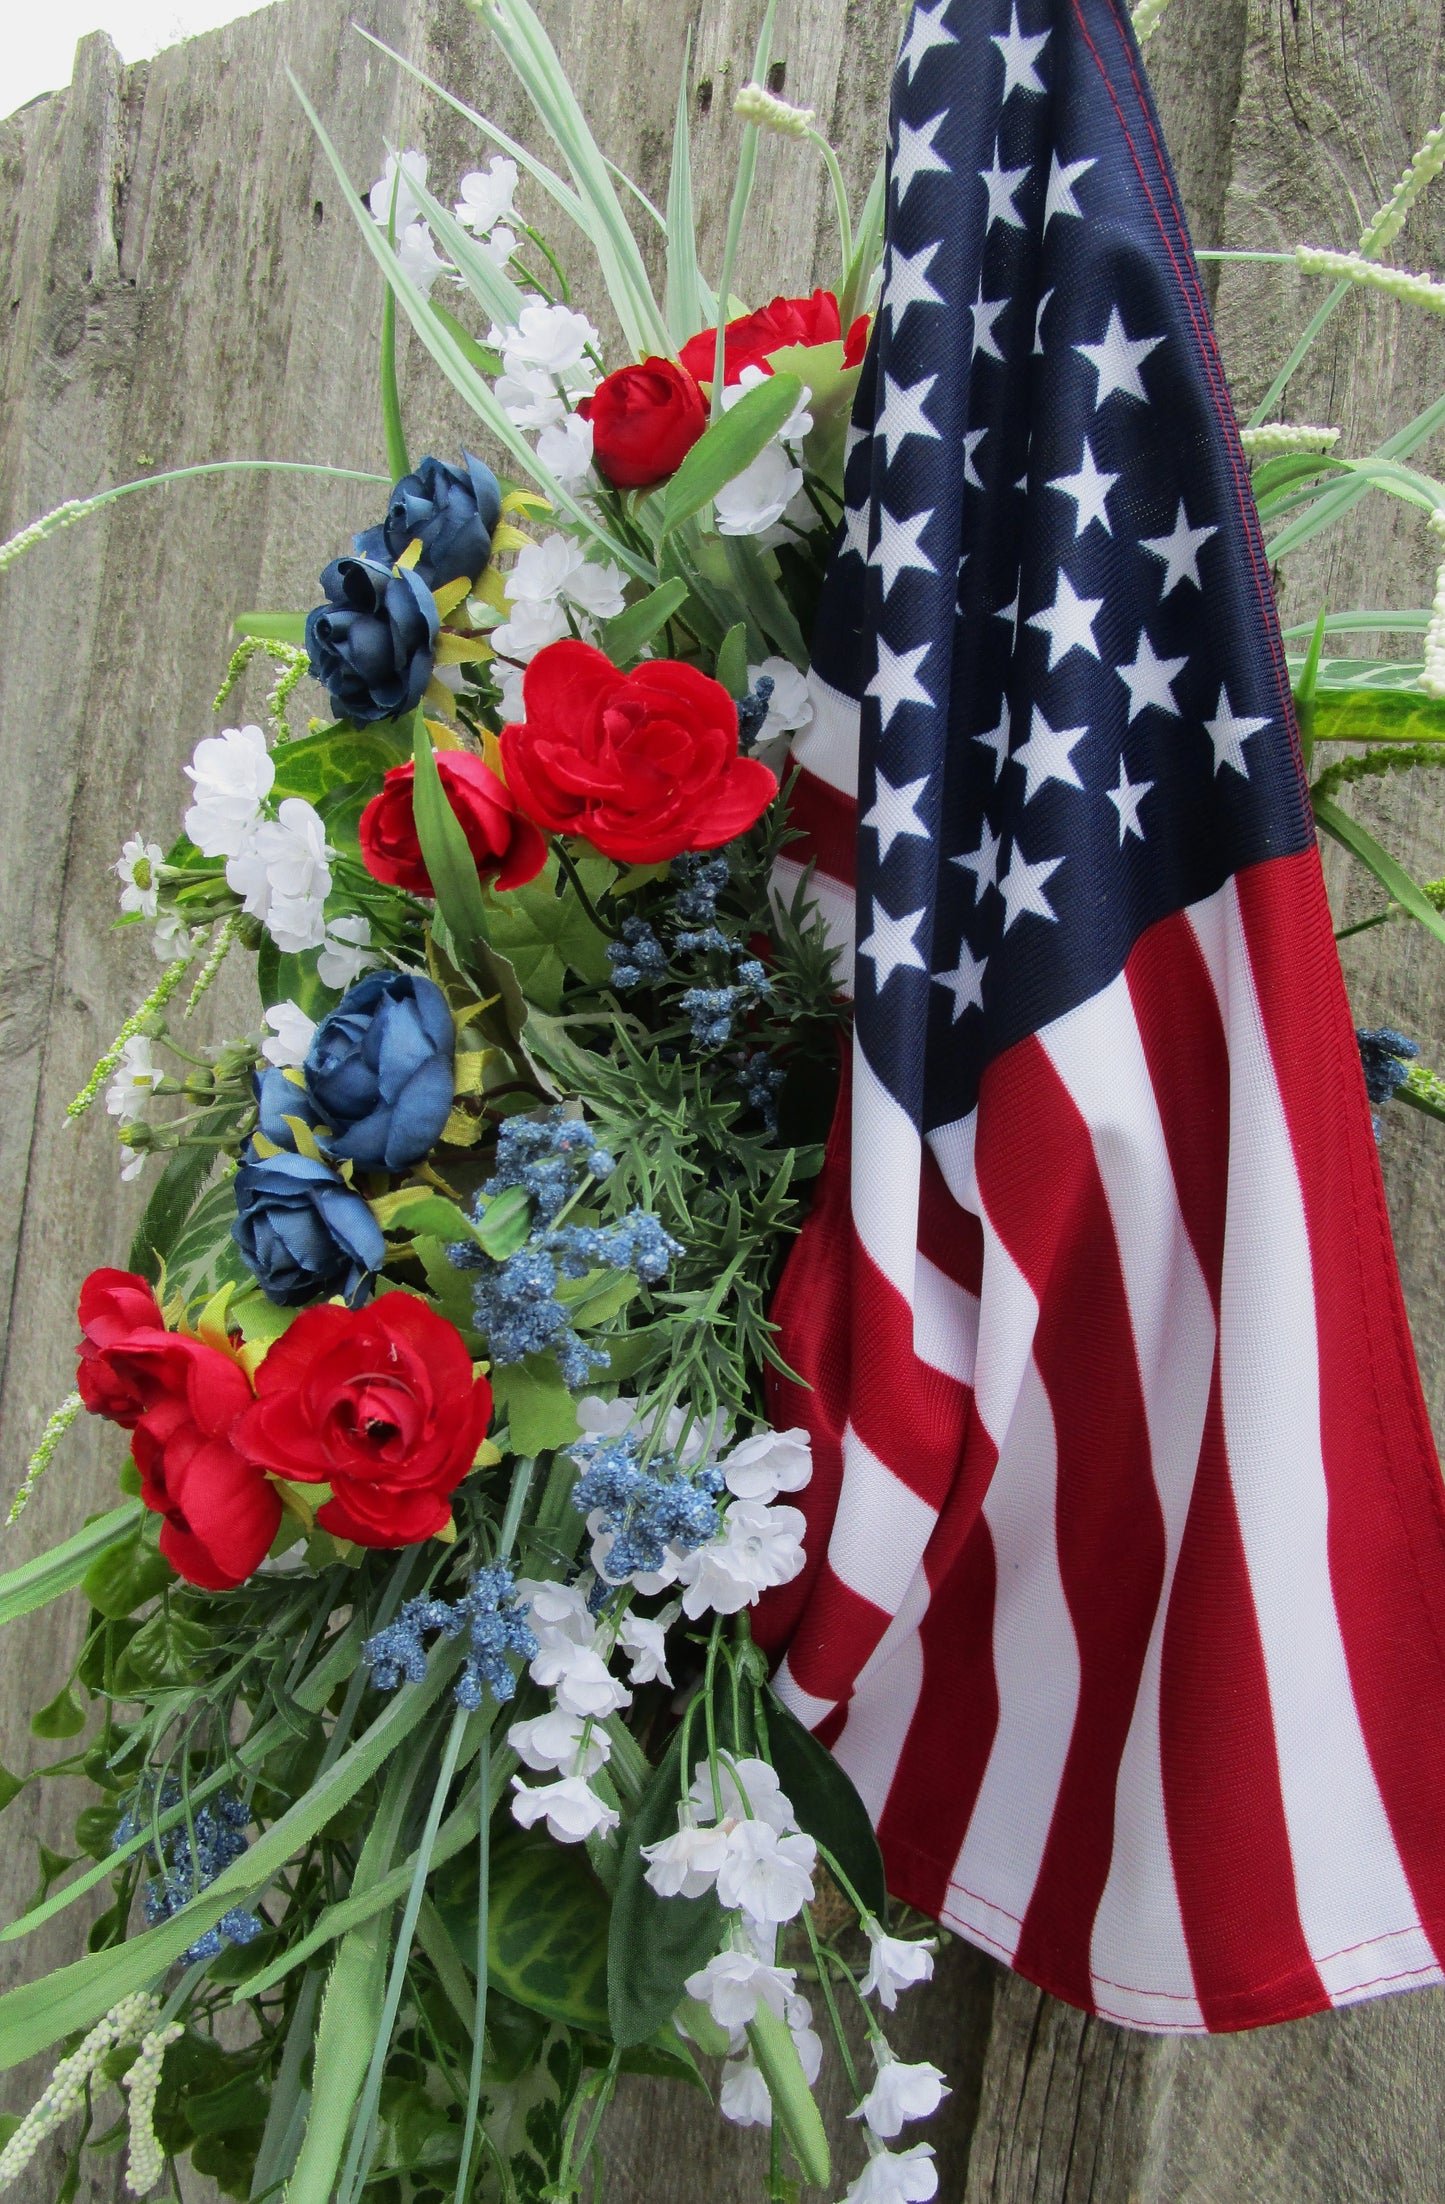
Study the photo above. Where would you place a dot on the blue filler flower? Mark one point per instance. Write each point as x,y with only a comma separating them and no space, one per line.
379,1070
753,712
454,511
220,1826
638,956
302,1233
699,881
549,1157
496,1628
646,1510
1385,1058
372,644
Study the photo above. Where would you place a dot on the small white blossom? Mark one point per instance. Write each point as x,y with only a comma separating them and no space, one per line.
733,1983
759,496
645,1643
768,1463
685,1865
419,257
232,773
790,707
893,1965
799,421
554,1740
896,2177
766,1800
528,395
499,246
806,2040
579,1676
486,195
543,570
173,938
556,1607
758,1547
510,701
135,868
348,951
291,1032
573,1810
565,448
283,877
132,1085
408,206
769,1877
530,629
552,338
902,2092
744,2097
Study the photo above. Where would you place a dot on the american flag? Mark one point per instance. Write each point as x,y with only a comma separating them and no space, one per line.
1125,1607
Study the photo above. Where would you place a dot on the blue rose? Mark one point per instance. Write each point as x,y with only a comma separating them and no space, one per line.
379,1070
302,1232
372,643
454,510
279,1095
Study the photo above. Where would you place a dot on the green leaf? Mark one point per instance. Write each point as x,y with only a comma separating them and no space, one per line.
1374,715
172,1199
62,1718
129,1574
273,627
833,387
752,571
776,2053
547,1922
449,1287
396,453
483,359
37,1582
167,1649
95,1829
206,1257
539,1411
688,304
656,1943
504,1224
10,1788
283,977
626,634
544,935
449,862
730,444
732,660
433,1215
826,1804
1392,876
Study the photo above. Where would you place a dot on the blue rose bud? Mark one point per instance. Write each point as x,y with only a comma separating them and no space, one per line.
454,510
372,643
379,1070
302,1232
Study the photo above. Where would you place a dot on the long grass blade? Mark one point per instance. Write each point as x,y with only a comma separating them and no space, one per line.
49,1575
1296,359
867,250
1391,875
683,303
737,211
479,2019
81,508
491,286
1342,494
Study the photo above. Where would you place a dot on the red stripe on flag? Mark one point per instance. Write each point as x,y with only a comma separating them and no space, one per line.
1040,1186
837,1632
1387,1507
912,1416
828,821
1228,1836
949,1236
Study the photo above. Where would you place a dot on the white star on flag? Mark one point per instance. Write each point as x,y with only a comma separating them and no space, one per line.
893,812
1059,199
896,682
971,440
855,531
982,862
1150,679
1116,360
1022,887
965,982
1068,622
1179,551
1229,734
916,156
997,738
1126,799
903,414
924,33
1019,55
1010,611
1089,488
897,550
985,312
1039,321
1001,184
908,283
1047,755
891,944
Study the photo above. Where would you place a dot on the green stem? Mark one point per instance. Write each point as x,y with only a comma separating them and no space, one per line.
1277,388
574,881
479,2024
840,196
396,454
835,2018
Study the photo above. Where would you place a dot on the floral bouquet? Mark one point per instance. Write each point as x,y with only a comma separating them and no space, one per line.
433,1745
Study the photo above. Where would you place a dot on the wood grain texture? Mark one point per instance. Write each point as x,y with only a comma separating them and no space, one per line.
179,281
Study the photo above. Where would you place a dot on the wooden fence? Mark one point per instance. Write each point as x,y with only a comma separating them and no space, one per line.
181,283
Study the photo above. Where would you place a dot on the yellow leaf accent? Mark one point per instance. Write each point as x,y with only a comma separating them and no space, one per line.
450,595
252,1354
526,501
437,692
302,1501
460,650
264,1147
442,738
211,1323
487,1454
447,1535
492,755
461,1130
304,1138
508,538
473,1010
638,876
492,589
410,555
390,1209
468,1068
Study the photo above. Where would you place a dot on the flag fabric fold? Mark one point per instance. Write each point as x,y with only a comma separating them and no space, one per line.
1125,1604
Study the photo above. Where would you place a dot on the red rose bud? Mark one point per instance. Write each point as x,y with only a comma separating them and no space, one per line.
381,1404
220,1512
644,764
750,341
645,421
855,344
114,1306
506,846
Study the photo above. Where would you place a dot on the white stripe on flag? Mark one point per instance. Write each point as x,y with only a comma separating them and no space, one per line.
884,1702
1351,1887
807,1706
887,1163
945,1322
828,746
880,1530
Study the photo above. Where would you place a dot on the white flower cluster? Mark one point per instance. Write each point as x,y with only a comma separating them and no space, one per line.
65,2090
391,197
1415,290
132,1085
570,1662
145,2160
768,498
1432,673
138,870
485,207
552,591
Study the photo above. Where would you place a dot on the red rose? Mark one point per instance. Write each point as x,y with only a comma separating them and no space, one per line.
855,344
381,1404
645,420
220,1512
506,846
749,341
644,764
114,1304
